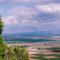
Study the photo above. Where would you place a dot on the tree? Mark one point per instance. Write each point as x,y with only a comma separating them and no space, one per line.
1,26
3,46
1,29
21,53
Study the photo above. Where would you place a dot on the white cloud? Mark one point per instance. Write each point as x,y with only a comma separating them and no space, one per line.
23,11
10,20
29,22
13,20
23,0
49,8
44,8
55,7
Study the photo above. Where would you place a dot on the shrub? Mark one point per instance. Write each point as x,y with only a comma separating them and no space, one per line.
21,53
10,55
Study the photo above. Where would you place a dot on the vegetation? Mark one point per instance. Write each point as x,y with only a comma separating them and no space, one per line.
54,49
41,57
11,53
21,53
1,26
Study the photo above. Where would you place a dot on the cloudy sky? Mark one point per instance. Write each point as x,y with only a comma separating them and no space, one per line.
31,16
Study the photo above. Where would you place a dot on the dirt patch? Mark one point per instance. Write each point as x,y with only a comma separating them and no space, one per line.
48,53
50,57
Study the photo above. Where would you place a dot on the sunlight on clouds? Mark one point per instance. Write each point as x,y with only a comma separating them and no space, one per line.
55,7
29,22
44,8
10,20
48,8
29,13
23,11
42,15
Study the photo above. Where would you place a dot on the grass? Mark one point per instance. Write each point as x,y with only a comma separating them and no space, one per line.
54,49
54,59
57,55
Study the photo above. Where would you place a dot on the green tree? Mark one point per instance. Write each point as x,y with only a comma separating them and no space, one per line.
1,30
21,53
1,26
3,46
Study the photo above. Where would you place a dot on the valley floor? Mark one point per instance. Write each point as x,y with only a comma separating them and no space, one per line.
39,51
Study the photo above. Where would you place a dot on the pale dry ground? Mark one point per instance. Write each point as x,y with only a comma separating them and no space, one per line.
37,44
45,53
50,57
38,48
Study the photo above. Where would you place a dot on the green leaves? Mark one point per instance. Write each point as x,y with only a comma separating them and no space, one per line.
10,55
14,53
21,53
1,26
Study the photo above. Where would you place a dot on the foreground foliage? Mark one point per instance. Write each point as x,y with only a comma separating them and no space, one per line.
10,53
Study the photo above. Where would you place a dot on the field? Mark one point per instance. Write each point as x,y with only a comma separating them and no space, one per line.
44,52
41,51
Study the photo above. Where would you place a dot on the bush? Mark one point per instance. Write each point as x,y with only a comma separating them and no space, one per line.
10,55
21,53
16,53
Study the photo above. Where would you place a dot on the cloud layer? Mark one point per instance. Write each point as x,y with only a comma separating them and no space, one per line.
31,15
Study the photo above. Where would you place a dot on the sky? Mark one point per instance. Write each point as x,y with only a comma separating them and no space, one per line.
30,16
